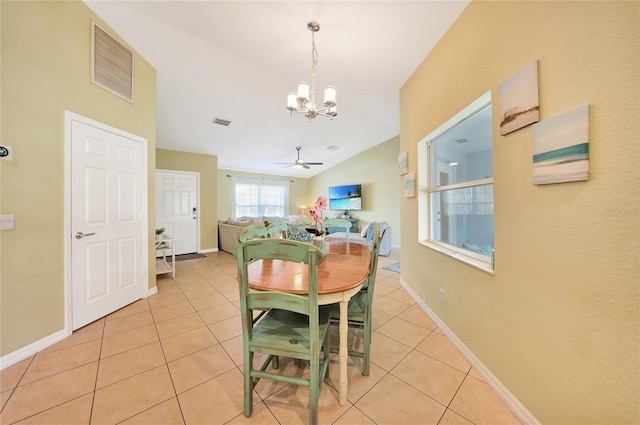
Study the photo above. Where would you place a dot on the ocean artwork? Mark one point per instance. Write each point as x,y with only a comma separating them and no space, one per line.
403,163
561,148
410,185
519,104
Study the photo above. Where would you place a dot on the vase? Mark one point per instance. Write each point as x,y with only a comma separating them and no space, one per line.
319,242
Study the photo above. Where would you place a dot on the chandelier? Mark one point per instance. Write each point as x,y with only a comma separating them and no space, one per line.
304,101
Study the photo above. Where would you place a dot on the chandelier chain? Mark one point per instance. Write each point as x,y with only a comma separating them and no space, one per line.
314,54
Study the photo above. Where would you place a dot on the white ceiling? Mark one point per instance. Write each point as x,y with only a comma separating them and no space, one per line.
237,60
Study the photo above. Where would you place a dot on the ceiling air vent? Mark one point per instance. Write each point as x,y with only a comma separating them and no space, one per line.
111,64
463,140
220,121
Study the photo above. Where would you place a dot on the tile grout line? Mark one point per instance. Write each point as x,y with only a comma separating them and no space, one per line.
13,390
95,383
164,356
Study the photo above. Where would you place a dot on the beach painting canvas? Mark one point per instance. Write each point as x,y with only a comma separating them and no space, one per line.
561,148
410,185
519,104
403,163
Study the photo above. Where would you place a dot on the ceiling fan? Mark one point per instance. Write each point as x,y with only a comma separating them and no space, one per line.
300,163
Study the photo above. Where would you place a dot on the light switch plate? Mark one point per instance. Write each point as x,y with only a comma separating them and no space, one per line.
6,222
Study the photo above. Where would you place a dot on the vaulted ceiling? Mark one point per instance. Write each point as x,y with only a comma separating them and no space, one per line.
237,60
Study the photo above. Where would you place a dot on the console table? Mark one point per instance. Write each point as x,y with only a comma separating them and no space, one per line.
354,226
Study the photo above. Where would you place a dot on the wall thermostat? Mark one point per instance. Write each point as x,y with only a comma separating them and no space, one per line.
5,152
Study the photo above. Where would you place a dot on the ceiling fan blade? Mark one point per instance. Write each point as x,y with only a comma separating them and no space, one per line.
299,162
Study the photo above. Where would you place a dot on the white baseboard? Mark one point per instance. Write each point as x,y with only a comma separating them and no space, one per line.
204,251
33,348
510,400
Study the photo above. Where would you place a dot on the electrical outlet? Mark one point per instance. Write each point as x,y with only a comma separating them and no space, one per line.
441,295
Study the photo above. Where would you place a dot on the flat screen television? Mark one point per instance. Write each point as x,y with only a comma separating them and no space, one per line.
345,198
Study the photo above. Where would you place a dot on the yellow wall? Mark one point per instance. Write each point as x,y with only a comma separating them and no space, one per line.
558,324
206,166
46,48
376,170
297,191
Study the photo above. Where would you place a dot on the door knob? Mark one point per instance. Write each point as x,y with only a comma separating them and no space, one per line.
81,235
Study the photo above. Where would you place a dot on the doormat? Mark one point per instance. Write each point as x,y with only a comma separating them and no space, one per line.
395,267
189,256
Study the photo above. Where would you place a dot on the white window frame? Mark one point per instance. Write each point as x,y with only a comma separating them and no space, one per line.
425,189
259,184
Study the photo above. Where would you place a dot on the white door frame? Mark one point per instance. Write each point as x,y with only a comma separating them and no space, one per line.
197,175
69,117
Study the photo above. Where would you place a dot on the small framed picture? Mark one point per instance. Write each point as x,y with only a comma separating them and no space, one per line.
519,104
410,185
561,148
403,163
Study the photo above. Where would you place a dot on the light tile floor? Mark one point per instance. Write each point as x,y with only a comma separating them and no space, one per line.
176,357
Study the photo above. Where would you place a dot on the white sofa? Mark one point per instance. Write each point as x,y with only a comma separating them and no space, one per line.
361,238
229,229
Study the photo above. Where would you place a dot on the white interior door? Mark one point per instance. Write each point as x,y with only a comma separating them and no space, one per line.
177,208
108,221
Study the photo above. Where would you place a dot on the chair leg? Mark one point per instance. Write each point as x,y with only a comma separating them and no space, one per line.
366,329
314,391
248,384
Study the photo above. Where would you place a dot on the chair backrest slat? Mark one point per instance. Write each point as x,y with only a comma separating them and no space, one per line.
373,267
279,249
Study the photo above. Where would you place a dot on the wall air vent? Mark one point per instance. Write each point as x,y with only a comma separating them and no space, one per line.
220,121
111,64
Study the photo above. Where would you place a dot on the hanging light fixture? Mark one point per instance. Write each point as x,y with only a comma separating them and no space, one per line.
304,100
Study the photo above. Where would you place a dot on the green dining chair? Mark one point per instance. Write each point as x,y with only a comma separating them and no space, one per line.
277,227
337,222
252,231
360,305
292,327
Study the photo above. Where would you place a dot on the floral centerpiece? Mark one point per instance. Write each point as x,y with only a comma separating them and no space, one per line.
316,213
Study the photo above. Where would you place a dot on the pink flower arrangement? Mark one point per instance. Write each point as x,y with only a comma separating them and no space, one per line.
316,211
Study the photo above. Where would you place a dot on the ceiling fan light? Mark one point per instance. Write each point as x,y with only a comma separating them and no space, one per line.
329,96
297,166
303,92
292,102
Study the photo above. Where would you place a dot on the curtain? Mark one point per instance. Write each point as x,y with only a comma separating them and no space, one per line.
255,196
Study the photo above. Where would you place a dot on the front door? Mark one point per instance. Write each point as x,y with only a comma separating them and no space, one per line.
108,219
177,208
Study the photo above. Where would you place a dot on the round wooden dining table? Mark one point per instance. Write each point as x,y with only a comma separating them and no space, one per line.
340,276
